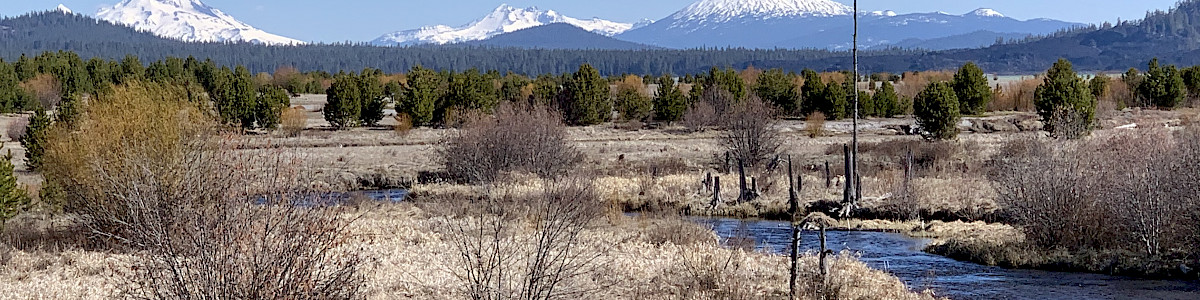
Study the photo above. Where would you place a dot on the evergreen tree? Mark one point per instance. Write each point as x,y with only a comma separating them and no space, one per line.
512,86
1065,102
471,90
237,101
670,104
728,80
25,68
833,103
971,87
344,102
546,89
12,96
813,94
587,97
35,137
1191,80
936,110
887,103
13,198
1162,86
1133,81
131,69
421,95
372,97
69,110
633,104
1099,86
269,106
776,87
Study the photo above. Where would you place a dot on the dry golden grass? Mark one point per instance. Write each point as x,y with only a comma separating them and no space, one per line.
292,121
413,261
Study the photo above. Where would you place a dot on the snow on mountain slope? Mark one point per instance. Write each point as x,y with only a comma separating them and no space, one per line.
187,20
63,9
503,19
986,12
727,10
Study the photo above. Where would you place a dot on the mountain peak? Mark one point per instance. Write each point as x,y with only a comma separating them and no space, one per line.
187,20
883,13
986,12
63,9
504,19
726,10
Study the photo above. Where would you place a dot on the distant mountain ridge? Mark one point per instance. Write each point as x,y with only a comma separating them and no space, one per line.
820,24
187,20
503,19
558,36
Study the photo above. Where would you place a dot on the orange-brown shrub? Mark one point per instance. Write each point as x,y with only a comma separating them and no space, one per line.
1015,96
814,124
45,88
911,83
292,121
403,124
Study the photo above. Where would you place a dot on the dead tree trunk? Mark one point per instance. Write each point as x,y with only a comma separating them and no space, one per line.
794,186
828,176
742,192
716,192
848,187
708,181
728,163
823,261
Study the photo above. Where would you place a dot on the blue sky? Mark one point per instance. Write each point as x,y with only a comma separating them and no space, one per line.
364,20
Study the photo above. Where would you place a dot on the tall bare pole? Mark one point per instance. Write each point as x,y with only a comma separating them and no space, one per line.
854,89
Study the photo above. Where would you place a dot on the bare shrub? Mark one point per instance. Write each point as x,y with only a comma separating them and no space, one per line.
516,139
750,133
149,175
699,117
16,129
814,124
292,121
518,246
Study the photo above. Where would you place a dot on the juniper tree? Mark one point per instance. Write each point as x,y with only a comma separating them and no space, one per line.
669,103
936,110
1065,102
587,97
971,87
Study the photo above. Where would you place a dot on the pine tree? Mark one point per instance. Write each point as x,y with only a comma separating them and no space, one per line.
936,110
373,98
1162,86
670,104
269,106
886,101
971,87
587,97
633,104
35,137
778,88
1065,102
812,94
833,102
421,95
13,198
344,102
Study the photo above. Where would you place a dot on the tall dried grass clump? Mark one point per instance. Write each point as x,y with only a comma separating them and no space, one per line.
149,174
1015,96
514,139
814,124
404,124
292,121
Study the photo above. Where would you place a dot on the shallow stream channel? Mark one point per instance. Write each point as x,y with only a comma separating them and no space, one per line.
901,256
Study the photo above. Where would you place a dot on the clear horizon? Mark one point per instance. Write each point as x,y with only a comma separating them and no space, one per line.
365,20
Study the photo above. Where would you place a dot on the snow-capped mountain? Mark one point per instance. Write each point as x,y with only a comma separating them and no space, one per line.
503,19
821,24
187,20
63,9
728,10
